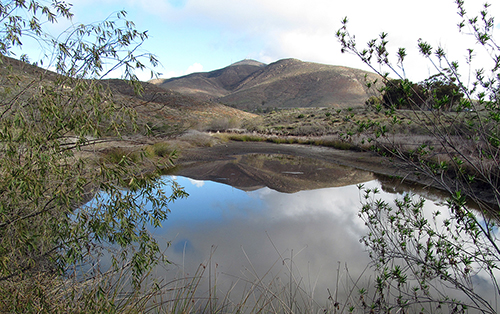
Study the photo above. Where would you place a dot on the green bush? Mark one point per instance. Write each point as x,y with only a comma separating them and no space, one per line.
160,149
118,155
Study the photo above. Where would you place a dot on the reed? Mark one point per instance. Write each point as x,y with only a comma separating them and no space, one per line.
280,289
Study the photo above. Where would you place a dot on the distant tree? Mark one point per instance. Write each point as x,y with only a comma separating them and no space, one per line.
441,92
441,261
402,94
435,93
47,229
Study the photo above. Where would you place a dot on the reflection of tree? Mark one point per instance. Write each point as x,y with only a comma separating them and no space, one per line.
397,186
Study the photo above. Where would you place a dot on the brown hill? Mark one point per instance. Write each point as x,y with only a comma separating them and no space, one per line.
214,84
287,83
165,111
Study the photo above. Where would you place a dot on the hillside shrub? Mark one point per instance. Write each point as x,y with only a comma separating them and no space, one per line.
223,124
197,138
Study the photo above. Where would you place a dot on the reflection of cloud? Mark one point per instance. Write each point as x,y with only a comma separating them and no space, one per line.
256,233
314,229
197,183
261,232
340,204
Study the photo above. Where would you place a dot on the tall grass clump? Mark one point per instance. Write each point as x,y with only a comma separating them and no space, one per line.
245,138
223,124
118,155
197,138
160,149
280,289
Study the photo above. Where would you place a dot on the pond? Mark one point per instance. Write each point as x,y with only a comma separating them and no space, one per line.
304,238
260,229
249,233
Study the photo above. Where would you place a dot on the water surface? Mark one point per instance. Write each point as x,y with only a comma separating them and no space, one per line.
249,235
275,222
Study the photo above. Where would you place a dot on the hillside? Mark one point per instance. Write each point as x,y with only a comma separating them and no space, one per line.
169,112
166,112
214,84
287,83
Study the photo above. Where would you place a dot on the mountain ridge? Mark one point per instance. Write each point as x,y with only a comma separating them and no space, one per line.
286,83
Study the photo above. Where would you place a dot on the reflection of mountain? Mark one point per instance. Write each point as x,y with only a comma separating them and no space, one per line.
283,173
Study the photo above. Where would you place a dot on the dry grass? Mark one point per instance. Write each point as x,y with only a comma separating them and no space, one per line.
198,139
280,289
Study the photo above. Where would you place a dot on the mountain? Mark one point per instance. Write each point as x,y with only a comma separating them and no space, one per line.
214,84
287,83
164,111
168,111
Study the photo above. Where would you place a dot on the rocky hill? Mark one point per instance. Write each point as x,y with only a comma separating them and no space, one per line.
288,83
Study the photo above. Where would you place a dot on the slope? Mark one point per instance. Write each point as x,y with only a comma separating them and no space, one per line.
166,112
287,83
214,84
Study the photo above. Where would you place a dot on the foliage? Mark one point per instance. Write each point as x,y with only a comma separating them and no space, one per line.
46,119
441,92
423,258
420,258
434,93
402,94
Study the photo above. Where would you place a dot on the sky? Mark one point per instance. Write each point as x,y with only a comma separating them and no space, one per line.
203,35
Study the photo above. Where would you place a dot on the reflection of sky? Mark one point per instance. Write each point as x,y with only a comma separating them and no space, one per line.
251,230
258,233
209,202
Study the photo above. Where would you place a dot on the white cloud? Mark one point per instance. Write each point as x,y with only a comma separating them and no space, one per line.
196,67
197,183
269,30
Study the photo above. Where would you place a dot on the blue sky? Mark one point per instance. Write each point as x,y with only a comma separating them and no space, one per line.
203,35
